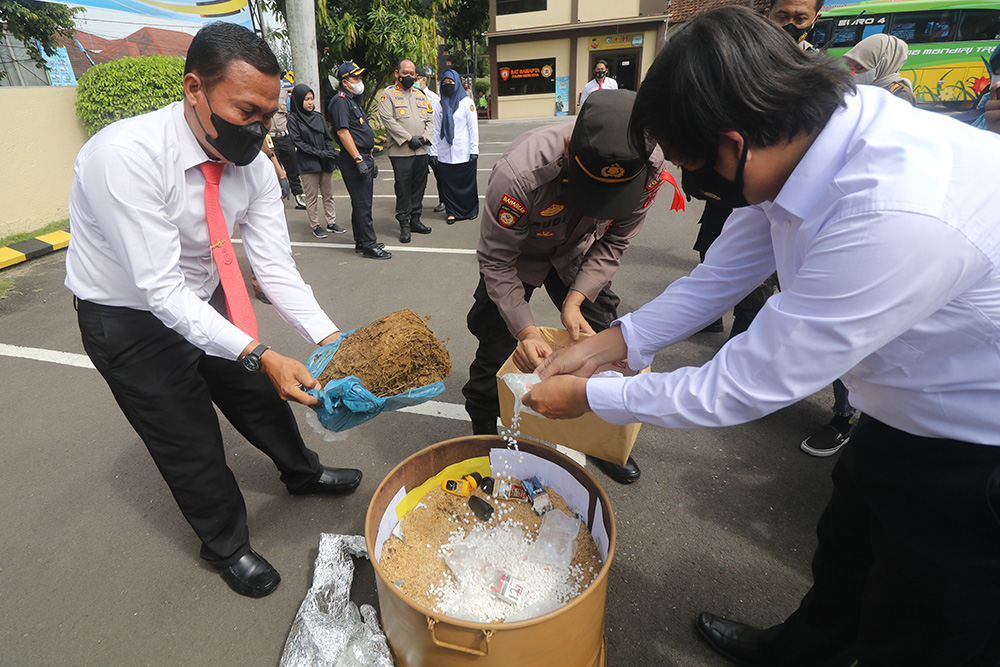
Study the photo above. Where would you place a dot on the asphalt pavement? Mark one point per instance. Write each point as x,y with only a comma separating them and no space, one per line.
98,567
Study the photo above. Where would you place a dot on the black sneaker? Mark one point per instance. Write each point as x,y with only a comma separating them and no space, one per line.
319,233
335,228
828,441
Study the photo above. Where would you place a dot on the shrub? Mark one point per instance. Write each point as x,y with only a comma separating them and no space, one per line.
127,87
482,86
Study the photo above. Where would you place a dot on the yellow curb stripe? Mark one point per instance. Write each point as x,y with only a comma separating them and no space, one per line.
10,257
57,240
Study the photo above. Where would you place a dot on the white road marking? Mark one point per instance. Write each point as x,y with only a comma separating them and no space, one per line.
390,248
430,408
51,356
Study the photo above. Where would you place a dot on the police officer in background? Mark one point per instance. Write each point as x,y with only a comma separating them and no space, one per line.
409,122
284,148
559,212
357,166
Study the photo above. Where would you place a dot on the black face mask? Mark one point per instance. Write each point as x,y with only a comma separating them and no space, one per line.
706,183
239,144
448,89
599,75
798,34
406,81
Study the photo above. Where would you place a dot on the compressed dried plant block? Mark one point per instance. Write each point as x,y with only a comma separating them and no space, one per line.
392,355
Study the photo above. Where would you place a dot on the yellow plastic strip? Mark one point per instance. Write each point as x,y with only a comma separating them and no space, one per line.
55,239
480,464
10,257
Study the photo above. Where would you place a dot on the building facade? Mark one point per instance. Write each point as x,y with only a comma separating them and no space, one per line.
543,52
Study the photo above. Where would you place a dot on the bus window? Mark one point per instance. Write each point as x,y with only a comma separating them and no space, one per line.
924,27
979,25
848,31
821,33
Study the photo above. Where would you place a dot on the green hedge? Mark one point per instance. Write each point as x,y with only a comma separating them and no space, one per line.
127,87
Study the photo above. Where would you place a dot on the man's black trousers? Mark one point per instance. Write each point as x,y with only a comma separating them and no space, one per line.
166,388
285,150
496,343
361,189
907,570
410,176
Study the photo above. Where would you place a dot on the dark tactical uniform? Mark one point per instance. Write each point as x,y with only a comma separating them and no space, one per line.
406,114
531,236
346,112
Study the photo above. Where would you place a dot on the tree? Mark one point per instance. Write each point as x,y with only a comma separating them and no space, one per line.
373,33
464,22
34,23
128,87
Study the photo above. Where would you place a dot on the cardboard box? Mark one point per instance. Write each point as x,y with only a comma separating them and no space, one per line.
588,434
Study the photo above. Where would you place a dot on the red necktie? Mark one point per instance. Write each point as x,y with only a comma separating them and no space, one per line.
237,300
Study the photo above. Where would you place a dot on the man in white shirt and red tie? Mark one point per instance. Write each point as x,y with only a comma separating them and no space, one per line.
601,81
163,309
883,224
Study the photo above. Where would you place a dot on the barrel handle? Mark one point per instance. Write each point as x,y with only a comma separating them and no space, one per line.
454,647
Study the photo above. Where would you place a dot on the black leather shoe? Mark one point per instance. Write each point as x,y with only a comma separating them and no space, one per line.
419,227
625,474
738,642
333,481
376,253
439,208
404,233
360,248
251,576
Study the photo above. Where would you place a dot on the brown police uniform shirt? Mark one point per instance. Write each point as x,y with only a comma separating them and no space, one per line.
528,225
405,114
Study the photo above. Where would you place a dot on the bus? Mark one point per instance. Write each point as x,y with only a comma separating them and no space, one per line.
947,39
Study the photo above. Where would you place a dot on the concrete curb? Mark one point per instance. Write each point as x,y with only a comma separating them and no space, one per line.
22,251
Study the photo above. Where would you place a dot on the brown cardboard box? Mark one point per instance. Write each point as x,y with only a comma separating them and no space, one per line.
588,434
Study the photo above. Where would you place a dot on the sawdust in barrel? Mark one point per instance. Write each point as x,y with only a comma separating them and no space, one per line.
391,355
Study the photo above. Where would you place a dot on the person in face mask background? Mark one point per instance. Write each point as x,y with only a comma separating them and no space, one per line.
315,157
797,18
601,81
409,122
876,61
163,311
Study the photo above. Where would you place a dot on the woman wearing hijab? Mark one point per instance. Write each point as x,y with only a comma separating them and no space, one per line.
315,156
876,60
455,150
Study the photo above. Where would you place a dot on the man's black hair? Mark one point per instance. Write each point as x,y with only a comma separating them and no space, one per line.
819,5
732,69
399,65
601,62
218,44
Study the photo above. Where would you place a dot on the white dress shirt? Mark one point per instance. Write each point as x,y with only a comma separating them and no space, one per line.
607,83
886,240
466,139
140,234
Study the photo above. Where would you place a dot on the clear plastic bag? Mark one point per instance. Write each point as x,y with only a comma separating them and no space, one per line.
519,385
555,545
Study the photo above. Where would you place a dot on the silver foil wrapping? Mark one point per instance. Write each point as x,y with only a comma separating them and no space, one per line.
329,630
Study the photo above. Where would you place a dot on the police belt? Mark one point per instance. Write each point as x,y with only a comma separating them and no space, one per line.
278,135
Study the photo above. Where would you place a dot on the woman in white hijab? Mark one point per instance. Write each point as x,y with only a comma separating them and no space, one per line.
876,60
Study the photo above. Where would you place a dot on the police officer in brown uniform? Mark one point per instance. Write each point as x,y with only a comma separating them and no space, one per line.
561,206
408,119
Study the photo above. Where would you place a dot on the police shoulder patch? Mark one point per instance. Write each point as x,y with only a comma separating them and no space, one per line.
382,99
506,216
513,203
341,94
